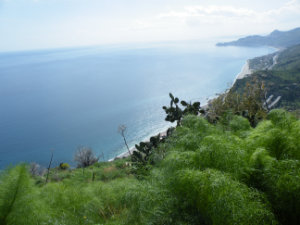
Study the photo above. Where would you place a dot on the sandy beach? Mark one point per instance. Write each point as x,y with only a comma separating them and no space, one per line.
246,71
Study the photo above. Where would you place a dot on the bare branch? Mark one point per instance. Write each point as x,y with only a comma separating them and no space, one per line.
85,157
122,129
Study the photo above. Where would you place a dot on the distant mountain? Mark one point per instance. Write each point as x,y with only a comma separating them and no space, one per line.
279,39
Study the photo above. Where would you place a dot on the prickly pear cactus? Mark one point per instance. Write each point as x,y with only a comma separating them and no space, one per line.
175,113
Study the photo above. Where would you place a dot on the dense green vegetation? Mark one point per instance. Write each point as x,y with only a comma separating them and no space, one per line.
283,79
203,173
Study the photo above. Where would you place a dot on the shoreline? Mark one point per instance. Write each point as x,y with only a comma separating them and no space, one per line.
132,149
163,133
245,71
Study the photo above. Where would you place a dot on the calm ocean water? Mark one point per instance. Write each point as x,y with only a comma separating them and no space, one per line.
56,100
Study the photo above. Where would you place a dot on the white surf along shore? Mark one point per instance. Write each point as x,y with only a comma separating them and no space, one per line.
127,154
245,71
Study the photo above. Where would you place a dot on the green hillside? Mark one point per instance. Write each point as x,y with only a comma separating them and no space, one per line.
281,76
226,173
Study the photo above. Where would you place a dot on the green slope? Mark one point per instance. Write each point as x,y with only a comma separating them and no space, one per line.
281,76
202,174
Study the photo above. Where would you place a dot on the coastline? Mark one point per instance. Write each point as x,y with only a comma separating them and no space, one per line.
132,149
245,71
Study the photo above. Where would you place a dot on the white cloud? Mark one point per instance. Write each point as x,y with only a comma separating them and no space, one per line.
217,19
198,10
231,11
47,23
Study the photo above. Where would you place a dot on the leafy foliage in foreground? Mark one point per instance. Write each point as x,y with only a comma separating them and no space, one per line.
227,173
20,201
175,113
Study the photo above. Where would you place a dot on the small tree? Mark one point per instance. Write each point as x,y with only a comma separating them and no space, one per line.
36,169
254,99
85,157
251,103
122,129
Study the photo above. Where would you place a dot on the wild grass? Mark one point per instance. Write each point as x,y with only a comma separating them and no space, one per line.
228,173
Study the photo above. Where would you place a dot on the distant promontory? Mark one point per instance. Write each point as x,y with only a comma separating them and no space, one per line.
278,39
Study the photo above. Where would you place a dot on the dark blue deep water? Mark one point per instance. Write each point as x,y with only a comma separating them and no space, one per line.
60,99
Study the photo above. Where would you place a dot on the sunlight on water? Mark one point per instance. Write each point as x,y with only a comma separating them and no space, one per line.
60,99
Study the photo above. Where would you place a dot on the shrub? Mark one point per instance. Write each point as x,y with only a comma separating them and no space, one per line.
64,166
250,104
181,160
85,157
19,199
239,123
284,191
198,124
280,182
218,199
225,153
281,118
36,169
278,138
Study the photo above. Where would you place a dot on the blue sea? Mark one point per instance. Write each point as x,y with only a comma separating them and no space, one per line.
56,100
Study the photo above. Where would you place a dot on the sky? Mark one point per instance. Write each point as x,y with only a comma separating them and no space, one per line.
41,24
